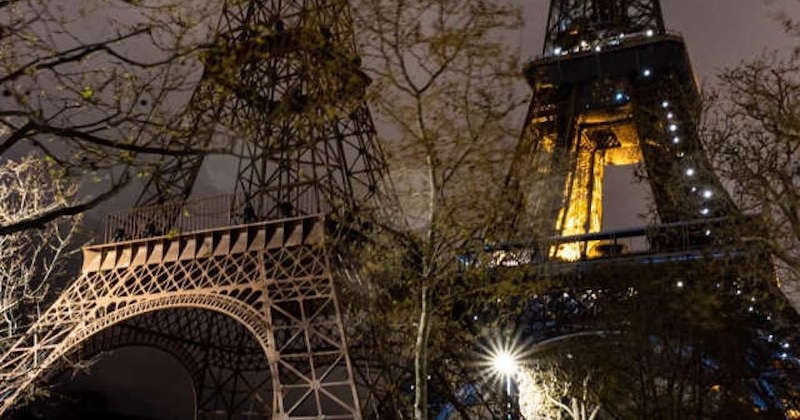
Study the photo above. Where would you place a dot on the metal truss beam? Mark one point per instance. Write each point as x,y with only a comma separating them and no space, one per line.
282,84
573,22
273,279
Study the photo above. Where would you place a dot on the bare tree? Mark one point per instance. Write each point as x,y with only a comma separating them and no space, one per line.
100,87
445,94
752,133
544,394
30,260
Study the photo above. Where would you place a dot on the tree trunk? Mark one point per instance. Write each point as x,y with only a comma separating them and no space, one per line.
421,360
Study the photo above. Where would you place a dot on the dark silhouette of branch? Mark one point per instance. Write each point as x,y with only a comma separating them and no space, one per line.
100,141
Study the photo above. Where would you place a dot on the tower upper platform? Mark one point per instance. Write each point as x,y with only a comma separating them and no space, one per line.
583,24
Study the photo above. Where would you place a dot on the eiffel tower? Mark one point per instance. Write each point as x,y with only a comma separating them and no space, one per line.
614,87
241,290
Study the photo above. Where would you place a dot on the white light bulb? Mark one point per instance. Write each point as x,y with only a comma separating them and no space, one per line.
649,32
647,72
679,283
673,127
707,193
664,104
505,363
557,50
597,48
670,115
690,172
676,139
705,211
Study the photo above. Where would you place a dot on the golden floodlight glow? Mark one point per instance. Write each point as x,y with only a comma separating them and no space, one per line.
582,209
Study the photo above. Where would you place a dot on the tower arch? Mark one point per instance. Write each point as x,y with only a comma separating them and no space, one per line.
273,278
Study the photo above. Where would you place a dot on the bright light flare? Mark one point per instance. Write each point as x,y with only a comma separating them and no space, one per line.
503,359
505,363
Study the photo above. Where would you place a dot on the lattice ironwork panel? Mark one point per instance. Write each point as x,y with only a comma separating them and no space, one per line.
575,24
273,279
282,85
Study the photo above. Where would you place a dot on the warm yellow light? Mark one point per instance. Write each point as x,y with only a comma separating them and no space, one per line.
584,192
793,414
582,209
569,252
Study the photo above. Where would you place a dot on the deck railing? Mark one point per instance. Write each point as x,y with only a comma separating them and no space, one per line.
649,240
169,218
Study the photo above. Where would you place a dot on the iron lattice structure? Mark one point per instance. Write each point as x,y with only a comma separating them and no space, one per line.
250,308
627,96
251,312
572,21
282,83
614,88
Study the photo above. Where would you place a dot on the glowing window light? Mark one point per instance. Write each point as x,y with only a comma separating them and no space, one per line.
690,172
707,194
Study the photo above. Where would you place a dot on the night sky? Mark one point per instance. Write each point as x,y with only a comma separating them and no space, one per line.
719,33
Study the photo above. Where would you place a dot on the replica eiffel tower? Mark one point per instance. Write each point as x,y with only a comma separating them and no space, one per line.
240,290
614,87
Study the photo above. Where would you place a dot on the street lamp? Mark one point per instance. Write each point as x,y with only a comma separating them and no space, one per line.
506,364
